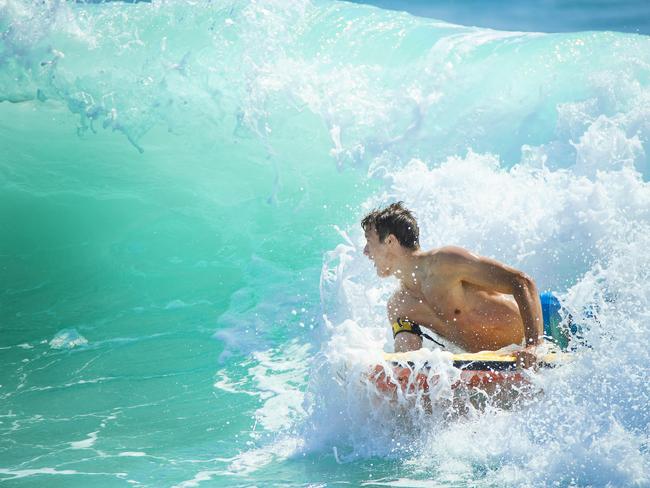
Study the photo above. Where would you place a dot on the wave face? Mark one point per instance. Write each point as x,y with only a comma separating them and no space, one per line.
181,189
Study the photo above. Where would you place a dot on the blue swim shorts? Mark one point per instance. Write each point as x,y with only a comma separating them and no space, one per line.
554,330
552,319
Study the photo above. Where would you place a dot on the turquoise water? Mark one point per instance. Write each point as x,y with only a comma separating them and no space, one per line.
183,277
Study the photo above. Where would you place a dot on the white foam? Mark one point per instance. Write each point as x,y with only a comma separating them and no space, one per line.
254,459
67,339
226,384
278,376
24,473
198,479
583,232
85,443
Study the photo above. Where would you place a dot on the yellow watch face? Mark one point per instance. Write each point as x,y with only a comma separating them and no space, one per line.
402,326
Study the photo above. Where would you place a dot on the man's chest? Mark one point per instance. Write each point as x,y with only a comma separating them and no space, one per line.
443,296
434,300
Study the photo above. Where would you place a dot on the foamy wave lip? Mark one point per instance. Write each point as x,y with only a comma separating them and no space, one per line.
369,104
67,339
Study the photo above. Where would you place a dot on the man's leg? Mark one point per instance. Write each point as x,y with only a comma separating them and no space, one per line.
553,330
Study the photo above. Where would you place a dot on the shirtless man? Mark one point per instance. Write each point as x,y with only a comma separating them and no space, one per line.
474,302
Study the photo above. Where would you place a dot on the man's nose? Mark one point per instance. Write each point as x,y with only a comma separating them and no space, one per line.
365,251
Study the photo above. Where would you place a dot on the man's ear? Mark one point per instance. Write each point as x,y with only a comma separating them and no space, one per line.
391,240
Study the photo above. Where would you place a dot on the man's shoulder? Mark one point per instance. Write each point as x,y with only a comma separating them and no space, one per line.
445,262
446,255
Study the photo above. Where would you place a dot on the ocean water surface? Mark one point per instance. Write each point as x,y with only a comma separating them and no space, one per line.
535,15
184,298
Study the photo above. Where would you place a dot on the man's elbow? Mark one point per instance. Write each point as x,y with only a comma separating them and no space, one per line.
524,285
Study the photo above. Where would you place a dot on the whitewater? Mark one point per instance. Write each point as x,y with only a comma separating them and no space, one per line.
185,300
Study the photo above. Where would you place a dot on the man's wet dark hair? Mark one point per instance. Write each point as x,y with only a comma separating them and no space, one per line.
395,219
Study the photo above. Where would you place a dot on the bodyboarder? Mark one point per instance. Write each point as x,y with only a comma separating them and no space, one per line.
474,302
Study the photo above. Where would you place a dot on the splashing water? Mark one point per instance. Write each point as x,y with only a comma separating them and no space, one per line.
181,188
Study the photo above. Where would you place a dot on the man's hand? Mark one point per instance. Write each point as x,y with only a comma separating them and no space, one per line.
526,357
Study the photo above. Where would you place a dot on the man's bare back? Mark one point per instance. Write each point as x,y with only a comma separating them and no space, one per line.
475,302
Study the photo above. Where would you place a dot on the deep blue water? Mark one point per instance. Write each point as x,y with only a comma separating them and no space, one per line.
536,15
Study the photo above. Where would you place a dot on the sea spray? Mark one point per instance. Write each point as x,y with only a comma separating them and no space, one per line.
174,172
584,238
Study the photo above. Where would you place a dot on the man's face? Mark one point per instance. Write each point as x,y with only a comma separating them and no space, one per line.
378,252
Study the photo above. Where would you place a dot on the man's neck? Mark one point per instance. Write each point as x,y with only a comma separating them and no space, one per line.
406,271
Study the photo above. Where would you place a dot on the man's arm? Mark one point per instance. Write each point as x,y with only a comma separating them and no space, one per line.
493,275
404,341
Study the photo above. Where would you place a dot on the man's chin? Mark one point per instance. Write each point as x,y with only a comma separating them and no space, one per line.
383,273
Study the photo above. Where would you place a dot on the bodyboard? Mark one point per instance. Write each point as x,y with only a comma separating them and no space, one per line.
482,370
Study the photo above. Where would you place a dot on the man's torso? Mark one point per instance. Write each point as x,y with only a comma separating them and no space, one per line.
473,318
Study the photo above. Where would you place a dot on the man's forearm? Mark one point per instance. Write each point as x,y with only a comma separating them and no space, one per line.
530,308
